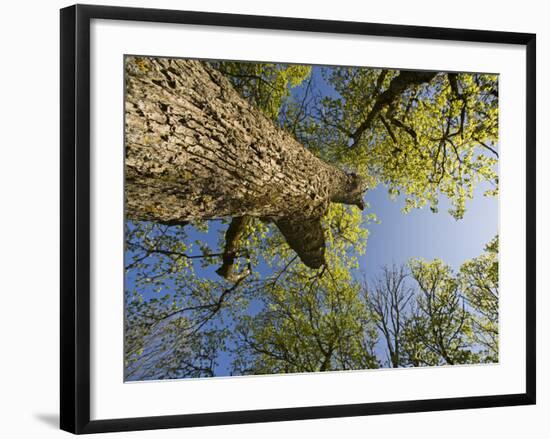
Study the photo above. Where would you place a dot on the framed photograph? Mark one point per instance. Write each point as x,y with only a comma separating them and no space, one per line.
267,219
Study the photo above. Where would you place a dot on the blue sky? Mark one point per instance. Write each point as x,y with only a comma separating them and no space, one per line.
422,233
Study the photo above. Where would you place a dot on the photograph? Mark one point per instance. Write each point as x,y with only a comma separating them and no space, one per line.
291,218
267,220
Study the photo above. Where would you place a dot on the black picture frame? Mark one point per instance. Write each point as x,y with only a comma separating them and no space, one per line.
75,217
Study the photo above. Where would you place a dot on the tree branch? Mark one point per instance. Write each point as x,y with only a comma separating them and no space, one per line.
398,85
233,236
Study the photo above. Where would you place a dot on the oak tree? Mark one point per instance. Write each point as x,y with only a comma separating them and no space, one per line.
225,148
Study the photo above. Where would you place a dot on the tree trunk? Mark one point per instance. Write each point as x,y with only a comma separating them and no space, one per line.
195,149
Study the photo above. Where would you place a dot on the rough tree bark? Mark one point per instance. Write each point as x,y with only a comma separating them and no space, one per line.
195,149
